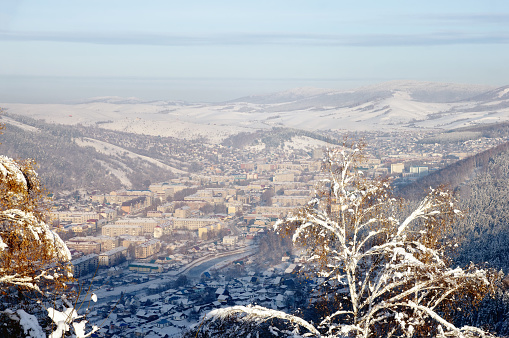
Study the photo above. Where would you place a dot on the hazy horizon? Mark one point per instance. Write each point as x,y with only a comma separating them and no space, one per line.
48,89
201,51
62,90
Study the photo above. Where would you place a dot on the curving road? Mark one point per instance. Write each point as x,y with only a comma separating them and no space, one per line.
195,272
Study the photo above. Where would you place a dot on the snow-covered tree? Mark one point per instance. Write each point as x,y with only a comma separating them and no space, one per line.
34,261
384,274
31,254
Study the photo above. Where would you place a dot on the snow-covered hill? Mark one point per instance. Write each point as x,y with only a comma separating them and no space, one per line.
388,106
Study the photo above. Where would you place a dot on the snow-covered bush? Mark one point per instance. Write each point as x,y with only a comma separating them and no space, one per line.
385,274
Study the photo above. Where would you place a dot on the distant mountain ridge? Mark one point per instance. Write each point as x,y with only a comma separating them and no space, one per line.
126,100
501,93
386,106
418,90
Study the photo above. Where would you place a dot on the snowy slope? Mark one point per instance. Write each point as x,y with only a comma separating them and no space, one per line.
116,151
388,106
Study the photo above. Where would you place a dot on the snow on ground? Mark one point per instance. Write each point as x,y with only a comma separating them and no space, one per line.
174,128
120,174
23,126
30,325
404,109
305,143
185,122
391,106
113,150
452,119
503,92
104,295
218,263
256,148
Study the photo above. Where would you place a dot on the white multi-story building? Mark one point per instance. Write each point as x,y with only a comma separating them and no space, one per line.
148,224
230,240
73,216
113,230
193,223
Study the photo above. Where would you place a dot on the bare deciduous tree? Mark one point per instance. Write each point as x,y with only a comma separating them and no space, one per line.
386,276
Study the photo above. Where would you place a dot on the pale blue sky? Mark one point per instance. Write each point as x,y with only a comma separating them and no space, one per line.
56,51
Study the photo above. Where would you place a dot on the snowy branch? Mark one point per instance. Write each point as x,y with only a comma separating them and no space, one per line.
258,314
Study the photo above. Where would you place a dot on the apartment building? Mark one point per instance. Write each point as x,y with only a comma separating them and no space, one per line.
73,216
127,240
193,223
147,224
84,265
112,257
147,249
230,240
203,231
87,247
289,201
106,242
113,230
274,211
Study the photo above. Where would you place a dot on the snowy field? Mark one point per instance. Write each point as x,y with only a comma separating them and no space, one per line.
390,106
